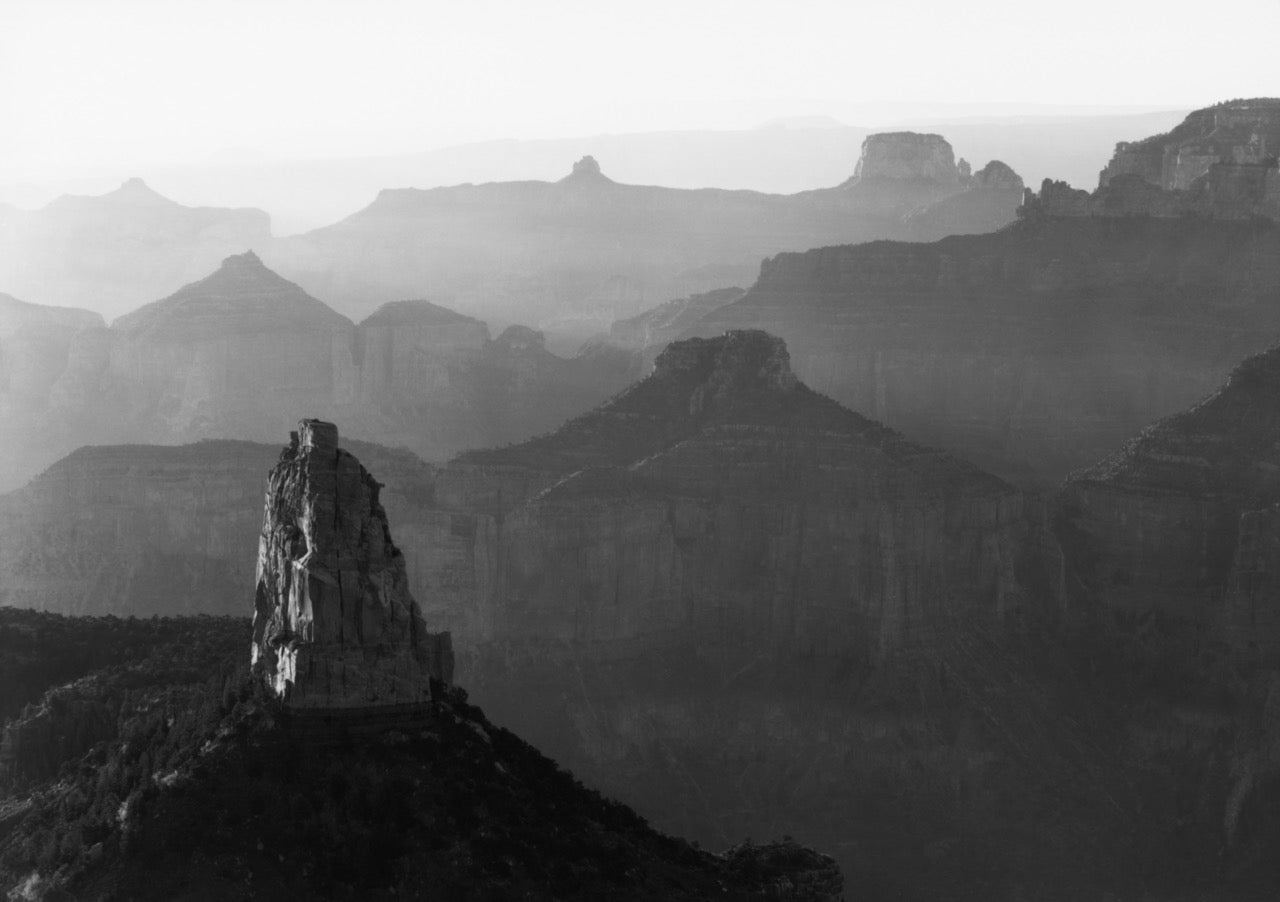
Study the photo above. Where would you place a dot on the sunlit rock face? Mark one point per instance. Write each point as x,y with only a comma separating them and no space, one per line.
116,251
334,623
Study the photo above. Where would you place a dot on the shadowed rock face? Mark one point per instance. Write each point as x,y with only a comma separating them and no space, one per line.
1182,521
334,623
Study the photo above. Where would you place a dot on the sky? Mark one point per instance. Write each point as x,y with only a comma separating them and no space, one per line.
87,84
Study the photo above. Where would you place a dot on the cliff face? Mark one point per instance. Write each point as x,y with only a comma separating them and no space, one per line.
1237,131
721,498
334,624
238,353
1180,522
114,252
907,156
572,256
1220,162
1034,350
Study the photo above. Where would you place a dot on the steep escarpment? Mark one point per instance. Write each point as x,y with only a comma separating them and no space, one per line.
1220,162
1033,350
1235,131
113,252
571,256
238,353
1179,522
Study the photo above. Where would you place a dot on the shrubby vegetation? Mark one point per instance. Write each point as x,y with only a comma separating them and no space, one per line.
208,787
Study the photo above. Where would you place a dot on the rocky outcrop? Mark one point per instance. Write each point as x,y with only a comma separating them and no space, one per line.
334,624
111,253
143,530
569,257
1219,163
1235,131
1034,350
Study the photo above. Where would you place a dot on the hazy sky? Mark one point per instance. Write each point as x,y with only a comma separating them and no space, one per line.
110,82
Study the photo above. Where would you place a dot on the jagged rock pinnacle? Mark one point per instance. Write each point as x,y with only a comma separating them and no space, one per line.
334,625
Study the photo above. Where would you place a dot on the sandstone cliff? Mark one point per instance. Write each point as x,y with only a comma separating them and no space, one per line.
334,624
1033,350
571,256
113,252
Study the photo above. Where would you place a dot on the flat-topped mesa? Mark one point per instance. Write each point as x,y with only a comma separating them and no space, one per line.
902,156
334,624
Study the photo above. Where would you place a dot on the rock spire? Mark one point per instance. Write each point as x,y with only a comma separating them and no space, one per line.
334,624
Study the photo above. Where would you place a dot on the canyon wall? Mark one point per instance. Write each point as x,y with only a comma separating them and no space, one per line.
1031,351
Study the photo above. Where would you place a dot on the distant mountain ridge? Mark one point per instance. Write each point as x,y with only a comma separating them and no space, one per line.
572,255
237,353
115,251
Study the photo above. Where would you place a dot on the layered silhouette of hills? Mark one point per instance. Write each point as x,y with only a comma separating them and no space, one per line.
112,252
572,255
235,354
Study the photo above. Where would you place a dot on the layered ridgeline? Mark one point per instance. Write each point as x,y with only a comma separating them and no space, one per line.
116,251
1033,350
571,256
236,354
349,726
743,609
